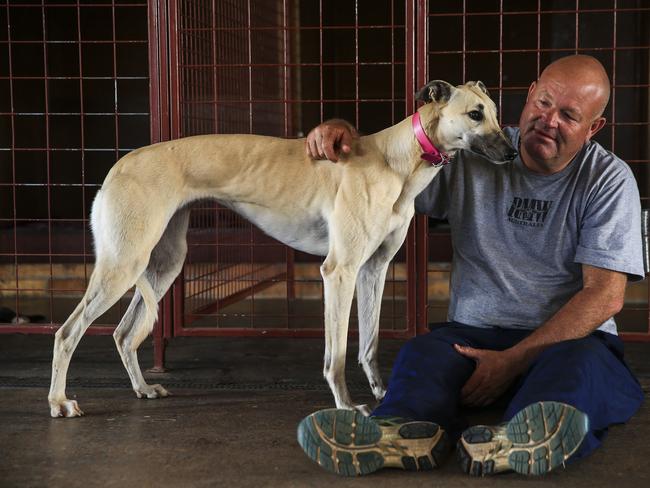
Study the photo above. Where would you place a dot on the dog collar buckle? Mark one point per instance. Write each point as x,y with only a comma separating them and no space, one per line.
430,151
436,159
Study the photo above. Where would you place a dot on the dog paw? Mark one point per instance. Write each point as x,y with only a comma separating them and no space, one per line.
65,408
363,409
379,392
152,391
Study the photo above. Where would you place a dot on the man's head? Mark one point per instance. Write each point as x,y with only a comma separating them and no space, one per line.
563,111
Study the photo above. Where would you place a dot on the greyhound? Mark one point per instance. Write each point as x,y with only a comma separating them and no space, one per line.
356,214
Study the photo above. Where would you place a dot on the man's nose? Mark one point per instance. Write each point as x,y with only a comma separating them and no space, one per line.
550,118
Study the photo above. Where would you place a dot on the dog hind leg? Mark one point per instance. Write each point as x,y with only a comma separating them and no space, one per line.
165,264
108,282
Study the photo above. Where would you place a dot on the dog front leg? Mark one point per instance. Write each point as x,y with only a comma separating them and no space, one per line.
370,289
339,282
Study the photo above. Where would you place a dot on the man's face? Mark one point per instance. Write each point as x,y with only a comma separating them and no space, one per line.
559,117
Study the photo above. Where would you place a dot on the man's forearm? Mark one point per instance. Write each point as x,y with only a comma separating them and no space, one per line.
579,317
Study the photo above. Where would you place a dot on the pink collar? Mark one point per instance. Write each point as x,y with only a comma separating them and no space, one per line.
431,152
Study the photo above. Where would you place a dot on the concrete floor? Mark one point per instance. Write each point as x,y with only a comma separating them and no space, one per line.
230,423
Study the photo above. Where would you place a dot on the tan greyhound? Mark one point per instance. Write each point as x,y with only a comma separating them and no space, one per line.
357,214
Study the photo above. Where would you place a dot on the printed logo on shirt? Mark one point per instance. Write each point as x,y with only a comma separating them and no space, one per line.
528,211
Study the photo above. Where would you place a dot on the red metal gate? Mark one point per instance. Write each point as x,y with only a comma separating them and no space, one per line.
278,68
73,99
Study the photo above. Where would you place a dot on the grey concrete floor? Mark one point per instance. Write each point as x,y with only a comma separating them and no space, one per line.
230,423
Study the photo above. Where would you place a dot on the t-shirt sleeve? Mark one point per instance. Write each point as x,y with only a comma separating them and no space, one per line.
610,232
434,199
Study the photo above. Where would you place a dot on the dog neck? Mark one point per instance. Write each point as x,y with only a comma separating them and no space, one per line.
401,149
403,153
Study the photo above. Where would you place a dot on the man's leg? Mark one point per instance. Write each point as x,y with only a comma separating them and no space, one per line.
428,375
588,374
412,426
566,401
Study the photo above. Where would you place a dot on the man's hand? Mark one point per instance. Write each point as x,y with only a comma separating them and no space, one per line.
495,371
329,139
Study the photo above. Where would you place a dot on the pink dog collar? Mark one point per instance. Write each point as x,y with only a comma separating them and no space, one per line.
431,152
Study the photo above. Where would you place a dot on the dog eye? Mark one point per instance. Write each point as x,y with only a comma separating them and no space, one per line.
475,115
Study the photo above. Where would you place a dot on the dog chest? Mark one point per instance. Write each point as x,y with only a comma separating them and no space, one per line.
307,232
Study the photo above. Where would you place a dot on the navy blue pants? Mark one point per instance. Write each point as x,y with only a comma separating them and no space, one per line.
587,373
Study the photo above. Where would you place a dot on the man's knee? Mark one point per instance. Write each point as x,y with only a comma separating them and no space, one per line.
432,358
580,362
437,343
577,351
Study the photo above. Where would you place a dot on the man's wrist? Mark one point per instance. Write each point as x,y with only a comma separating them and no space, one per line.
519,358
353,130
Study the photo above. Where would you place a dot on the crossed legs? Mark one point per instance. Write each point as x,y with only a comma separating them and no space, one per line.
564,403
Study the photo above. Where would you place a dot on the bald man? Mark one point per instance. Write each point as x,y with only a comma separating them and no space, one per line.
543,249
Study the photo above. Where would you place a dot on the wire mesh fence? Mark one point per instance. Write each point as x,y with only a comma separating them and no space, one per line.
507,43
74,86
84,82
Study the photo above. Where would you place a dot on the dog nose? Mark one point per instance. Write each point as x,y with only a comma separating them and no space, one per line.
511,154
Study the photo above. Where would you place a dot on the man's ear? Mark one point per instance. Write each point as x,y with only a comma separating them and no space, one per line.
531,88
596,125
436,90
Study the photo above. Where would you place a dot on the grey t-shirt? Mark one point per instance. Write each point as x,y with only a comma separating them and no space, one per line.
520,238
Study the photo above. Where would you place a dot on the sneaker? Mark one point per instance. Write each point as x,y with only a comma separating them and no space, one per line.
346,442
536,440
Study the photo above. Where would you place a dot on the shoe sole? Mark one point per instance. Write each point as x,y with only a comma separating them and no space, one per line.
346,442
538,439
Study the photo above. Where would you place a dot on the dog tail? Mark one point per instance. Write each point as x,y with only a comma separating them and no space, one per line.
151,307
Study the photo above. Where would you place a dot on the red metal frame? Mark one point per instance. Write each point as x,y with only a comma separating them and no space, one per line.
160,131
418,279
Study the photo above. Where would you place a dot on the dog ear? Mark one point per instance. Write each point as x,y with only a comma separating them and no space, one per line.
479,84
436,90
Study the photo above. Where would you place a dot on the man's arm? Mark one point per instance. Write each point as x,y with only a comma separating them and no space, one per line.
330,138
601,297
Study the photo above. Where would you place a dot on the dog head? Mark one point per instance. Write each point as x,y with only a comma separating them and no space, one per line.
464,117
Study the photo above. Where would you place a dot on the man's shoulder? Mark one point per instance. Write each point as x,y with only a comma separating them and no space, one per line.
603,175
602,162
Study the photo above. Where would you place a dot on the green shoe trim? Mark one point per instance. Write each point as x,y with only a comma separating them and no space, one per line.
538,439
346,442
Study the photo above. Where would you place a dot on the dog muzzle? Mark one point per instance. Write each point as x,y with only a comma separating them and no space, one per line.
430,152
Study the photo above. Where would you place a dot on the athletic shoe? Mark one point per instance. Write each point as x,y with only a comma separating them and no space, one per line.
536,440
346,442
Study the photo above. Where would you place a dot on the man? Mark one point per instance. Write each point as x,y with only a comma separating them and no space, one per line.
543,249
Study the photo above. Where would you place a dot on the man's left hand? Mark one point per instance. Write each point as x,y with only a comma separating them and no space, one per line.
495,371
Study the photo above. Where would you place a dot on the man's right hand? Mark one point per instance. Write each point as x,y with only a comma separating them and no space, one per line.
327,140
